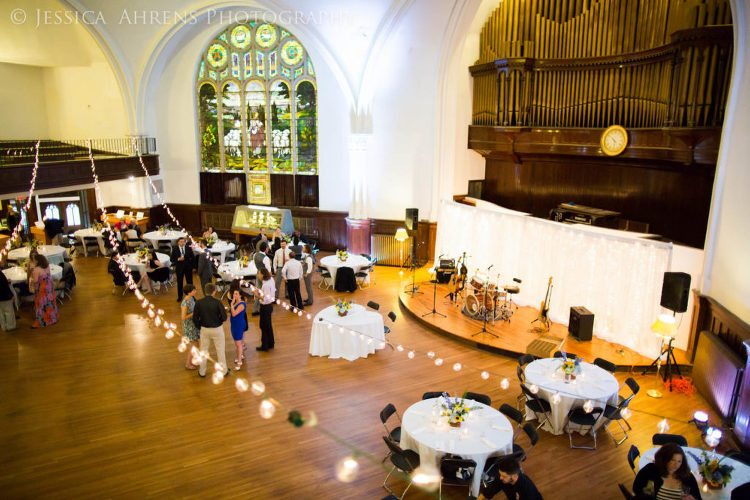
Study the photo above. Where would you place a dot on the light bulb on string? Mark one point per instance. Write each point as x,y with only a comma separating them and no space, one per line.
533,388
217,377
267,409
138,295
426,478
431,354
438,361
157,321
258,387
457,367
241,384
151,313
663,426
504,383
160,312
144,304
626,413
485,375
400,348
182,347
556,398
346,469
588,406
410,355
169,334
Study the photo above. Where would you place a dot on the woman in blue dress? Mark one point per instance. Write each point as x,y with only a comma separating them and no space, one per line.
238,324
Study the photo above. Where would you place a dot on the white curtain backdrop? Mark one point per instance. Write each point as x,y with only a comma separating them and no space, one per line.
616,276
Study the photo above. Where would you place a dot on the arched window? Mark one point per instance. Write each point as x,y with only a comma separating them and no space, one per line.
257,105
52,212
73,215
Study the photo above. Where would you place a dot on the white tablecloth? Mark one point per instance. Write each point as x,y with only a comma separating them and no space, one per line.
327,339
53,253
229,270
92,233
740,474
18,275
135,265
593,383
153,237
221,247
486,433
332,263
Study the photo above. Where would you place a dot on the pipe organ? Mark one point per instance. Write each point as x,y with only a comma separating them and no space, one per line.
592,63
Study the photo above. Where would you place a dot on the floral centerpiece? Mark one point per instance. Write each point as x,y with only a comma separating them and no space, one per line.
243,261
33,244
286,238
570,367
142,253
342,255
163,228
715,474
211,239
98,227
342,306
456,409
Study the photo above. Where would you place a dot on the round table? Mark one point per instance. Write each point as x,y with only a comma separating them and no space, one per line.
135,265
593,383
740,474
91,233
327,339
154,237
18,275
486,433
356,262
220,247
230,270
54,254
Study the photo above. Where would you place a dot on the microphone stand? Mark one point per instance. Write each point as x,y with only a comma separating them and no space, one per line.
434,295
413,289
484,315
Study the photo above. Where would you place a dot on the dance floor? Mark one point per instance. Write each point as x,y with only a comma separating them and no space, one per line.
511,337
100,405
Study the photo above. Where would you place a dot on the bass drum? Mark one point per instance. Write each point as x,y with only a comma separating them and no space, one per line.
472,305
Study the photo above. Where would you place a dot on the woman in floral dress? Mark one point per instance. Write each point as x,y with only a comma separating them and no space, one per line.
189,330
45,307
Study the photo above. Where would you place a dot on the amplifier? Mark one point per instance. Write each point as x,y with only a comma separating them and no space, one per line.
581,323
580,214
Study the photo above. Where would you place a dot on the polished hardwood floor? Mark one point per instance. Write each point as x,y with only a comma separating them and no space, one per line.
100,406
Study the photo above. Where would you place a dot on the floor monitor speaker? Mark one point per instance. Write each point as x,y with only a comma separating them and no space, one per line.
581,323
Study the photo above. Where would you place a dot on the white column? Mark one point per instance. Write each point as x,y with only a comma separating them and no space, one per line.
358,148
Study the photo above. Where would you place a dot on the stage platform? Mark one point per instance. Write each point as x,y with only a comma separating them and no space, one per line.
513,337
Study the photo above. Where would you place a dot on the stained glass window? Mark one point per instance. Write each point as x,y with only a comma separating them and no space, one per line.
307,131
208,128
72,215
52,212
257,106
232,121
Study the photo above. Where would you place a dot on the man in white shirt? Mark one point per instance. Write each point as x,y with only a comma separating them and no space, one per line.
292,273
261,261
279,259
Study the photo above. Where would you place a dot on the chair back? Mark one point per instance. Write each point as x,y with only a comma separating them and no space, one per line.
345,280
633,454
606,365
160,275
570,355
525,359
392,446
630,382
661,439
531,432
626,492
386,412
431,395
479,398
131,234
450,467
511,413
406,460
519,373
373,305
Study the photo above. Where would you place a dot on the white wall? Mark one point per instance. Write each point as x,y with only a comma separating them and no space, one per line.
727,268
24,102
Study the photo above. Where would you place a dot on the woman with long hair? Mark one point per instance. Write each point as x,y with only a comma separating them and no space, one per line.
668,477
40,282
238,325
267,298
189,330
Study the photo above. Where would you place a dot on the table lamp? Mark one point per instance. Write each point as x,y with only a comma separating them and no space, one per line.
665,327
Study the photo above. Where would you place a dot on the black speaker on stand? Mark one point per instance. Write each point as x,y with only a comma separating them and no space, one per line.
581,323
412,219
675,290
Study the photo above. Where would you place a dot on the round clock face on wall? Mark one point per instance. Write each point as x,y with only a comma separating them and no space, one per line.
614,140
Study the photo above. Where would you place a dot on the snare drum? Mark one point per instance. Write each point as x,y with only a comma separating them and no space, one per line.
477,282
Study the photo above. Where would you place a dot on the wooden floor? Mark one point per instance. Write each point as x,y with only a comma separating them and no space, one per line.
100,406
512,337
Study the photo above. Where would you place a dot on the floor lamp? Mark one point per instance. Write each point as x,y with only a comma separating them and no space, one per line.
401,236
665,327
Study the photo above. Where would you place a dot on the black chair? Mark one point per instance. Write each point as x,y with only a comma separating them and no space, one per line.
521,399
456,471
514,415
345,280
742,457
661,439
614,413
579,417
479,398
395,433
741,492
633,454
570,355
392,316
161,276
525,359
626,492
606,365
221,285
325,276
403,460
537,405
373,305
361,275
518,452
164,246
432,395
69,277
90,243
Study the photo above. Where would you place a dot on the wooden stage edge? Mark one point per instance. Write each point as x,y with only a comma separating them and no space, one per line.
512,338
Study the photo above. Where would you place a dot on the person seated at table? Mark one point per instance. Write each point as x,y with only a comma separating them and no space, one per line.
512,481
668,477
152,265
299,238
132,225
261,236
208,232
246,251
40,281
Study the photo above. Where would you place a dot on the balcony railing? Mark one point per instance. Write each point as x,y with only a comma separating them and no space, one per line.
20,152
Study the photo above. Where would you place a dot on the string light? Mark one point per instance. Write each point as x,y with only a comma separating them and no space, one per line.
588,406
16,232
431,354
556,398
169,334
457,367
241,384
410,355
399,348
663,426
504,383
627,412
346,469
438,362
486,375
533,388
258,387
217,377
267,409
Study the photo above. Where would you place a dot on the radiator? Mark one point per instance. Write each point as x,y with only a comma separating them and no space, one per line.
717,374
388,251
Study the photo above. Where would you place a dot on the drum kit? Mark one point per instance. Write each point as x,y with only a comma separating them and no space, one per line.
486,300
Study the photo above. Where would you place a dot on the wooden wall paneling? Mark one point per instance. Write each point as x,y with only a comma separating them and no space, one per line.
93,210
307,190
215,187
282,190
